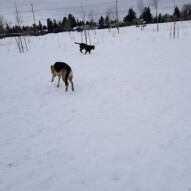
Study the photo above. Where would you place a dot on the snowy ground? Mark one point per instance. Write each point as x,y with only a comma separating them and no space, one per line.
125,128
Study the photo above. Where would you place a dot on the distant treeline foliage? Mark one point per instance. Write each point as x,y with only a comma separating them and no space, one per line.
70,23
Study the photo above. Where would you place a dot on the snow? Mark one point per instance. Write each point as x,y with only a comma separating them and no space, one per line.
126,126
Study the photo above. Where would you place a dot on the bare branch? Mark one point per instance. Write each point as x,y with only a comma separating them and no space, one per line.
155,4
140,5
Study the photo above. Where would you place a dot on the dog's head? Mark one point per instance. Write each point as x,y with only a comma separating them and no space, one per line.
52,69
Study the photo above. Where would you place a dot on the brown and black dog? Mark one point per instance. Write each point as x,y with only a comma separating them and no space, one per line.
62,69
87,48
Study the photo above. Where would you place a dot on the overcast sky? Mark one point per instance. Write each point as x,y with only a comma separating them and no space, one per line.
60,8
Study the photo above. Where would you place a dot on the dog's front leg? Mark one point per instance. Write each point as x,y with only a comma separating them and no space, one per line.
52,78
58,81
66,88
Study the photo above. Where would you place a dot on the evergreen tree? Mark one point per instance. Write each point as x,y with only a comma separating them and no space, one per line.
72,21
64,23
7,29
186,11
107,21
55,24
176,13
1,25
101,22
40,26
80,23
92,24
160,18
146,15
130,17
50,25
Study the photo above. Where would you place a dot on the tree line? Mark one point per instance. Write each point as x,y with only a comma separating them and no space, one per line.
70,23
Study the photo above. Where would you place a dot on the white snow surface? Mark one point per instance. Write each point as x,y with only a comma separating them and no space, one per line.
126,127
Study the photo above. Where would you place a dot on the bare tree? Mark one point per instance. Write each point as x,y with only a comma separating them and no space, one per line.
2,25
117,16
92,17
35,26
18,39
155,4
140,6
108,17
174,28
18,17
84,19
113,14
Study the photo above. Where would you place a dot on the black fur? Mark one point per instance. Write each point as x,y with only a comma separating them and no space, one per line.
87,48
58,66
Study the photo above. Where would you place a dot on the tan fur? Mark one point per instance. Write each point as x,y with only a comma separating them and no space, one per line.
62,74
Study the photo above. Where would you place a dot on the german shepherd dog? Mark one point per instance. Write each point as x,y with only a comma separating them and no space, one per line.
62,69
88,48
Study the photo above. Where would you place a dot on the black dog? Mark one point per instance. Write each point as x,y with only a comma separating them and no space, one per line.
88,48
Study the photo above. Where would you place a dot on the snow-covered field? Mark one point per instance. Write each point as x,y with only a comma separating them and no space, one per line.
125,128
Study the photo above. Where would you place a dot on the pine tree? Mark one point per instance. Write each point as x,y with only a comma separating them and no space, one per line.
64,23
50,25
40,26
130,17
146,15
186,11
176,13
107,21
101,22
72,21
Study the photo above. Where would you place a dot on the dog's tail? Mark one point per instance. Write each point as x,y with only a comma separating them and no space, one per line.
77,43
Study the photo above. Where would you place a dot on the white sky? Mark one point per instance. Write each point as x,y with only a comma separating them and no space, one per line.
60,8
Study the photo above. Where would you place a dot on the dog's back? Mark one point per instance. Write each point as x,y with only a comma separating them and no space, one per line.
59,66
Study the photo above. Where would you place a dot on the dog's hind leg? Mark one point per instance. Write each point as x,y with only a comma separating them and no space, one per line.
66,84
70,79
72,84
64,78
58,81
